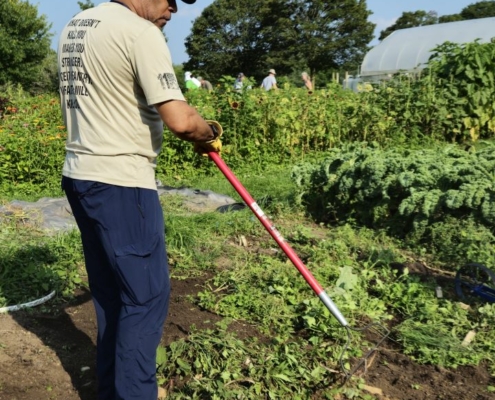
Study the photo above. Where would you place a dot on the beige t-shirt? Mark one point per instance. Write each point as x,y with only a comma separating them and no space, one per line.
113,66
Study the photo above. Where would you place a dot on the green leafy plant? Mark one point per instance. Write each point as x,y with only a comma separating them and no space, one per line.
224,366
409,193
465,71
32,265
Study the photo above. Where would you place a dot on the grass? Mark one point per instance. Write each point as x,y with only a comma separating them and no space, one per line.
33,264
274,183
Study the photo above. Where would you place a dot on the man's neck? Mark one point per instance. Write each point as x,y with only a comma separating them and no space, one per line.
125,3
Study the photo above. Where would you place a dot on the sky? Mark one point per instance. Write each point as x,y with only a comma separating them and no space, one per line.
385,13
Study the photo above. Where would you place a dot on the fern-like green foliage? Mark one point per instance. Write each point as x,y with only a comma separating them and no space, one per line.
406,192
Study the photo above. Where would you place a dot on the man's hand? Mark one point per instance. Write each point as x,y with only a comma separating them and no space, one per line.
212,145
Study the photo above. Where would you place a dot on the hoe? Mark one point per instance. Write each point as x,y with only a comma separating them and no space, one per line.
310,279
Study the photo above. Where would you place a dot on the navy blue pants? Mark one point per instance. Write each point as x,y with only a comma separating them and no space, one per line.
123,237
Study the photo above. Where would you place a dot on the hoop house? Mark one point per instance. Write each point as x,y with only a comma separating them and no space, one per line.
408,50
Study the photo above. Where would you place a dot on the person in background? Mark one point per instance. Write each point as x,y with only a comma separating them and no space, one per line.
238,84
307,81
117,91
190,83
205,84
195,80
270,82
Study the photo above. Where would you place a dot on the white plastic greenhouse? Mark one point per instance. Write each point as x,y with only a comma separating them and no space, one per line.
407,50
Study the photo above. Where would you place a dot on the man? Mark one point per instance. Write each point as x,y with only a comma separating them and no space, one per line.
238,84
190,81
195,80
270,82
307,81
117,88
205,84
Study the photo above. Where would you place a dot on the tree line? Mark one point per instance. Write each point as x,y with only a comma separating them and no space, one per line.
482,9
318,36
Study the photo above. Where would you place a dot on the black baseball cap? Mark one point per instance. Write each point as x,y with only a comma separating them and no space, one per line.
189,1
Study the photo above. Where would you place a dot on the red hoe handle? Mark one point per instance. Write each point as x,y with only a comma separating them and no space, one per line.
278,238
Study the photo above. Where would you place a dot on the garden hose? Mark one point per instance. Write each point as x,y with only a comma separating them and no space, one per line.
294,258
30,304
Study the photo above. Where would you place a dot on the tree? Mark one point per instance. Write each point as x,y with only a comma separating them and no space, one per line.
411,20
232,36
223,38
87,4
325,34
24,42
449,18
48,80
482,9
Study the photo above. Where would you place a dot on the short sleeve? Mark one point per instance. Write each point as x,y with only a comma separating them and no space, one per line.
153,66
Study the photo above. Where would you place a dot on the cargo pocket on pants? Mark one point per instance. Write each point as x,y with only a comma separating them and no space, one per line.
140,270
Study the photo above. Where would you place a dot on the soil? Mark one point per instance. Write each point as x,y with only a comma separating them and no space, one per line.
50,355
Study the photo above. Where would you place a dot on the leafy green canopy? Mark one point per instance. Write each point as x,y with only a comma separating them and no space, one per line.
481,9
410,20
251,37
24,42
85,5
